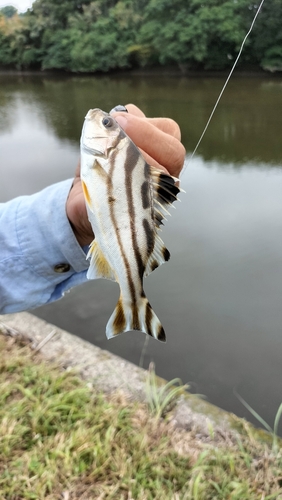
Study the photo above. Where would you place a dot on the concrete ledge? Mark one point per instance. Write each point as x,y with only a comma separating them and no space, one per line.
110,373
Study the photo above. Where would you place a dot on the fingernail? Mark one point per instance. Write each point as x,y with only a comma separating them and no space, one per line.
122,121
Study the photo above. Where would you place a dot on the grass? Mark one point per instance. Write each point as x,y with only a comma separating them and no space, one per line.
273,432
60,439
161,398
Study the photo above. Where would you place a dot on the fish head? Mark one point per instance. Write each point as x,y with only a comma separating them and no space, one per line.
100,134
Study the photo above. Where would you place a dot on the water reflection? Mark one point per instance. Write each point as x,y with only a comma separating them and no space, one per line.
220,296
245,128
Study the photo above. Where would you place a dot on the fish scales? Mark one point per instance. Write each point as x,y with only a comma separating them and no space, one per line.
126,201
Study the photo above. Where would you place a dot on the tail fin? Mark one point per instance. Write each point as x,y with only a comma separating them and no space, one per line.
139,316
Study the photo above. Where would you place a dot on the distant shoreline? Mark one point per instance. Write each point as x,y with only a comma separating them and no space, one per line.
153,71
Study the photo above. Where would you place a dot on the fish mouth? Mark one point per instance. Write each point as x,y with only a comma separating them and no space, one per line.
92,112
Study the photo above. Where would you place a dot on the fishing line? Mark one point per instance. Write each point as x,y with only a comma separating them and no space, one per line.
143,352
144,349
225,85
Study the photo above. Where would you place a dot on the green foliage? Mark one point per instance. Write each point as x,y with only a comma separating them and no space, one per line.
272,59
267,43
5,55
274,431
161,397
101,35
206,35
8,11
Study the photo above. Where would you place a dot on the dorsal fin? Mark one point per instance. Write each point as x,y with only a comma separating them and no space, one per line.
165,191
159,255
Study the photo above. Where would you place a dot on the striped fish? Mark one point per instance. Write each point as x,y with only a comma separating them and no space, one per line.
126,200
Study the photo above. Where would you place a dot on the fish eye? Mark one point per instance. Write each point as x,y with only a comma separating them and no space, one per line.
107,121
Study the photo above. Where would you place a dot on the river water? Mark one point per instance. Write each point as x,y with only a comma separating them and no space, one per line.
220,296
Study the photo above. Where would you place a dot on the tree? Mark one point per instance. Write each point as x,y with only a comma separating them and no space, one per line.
267,36
10,40
101,35
8,11
195,33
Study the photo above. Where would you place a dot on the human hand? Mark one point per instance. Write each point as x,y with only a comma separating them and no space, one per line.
159,142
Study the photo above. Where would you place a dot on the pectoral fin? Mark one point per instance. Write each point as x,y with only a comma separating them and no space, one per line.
86,194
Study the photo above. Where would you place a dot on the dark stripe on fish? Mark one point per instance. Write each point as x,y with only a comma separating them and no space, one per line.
135,318
119,321
150,236
147,170
148,318
131,160
147,175
145,194
112,160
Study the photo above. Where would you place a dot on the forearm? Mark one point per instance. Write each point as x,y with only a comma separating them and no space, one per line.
37,242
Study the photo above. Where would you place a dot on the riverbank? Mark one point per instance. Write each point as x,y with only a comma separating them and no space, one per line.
81,423
174,71
110,373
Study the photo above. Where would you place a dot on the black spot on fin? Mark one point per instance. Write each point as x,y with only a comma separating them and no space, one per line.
167,189
165,193
161,334
166,254
154,264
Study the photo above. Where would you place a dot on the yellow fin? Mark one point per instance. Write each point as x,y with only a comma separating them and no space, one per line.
86,193
99,266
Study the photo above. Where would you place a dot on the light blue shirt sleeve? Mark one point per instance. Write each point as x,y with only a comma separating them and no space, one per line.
37,241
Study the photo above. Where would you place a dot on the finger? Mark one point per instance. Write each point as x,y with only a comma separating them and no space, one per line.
167,125
134,110
162,147
77,171
153,162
